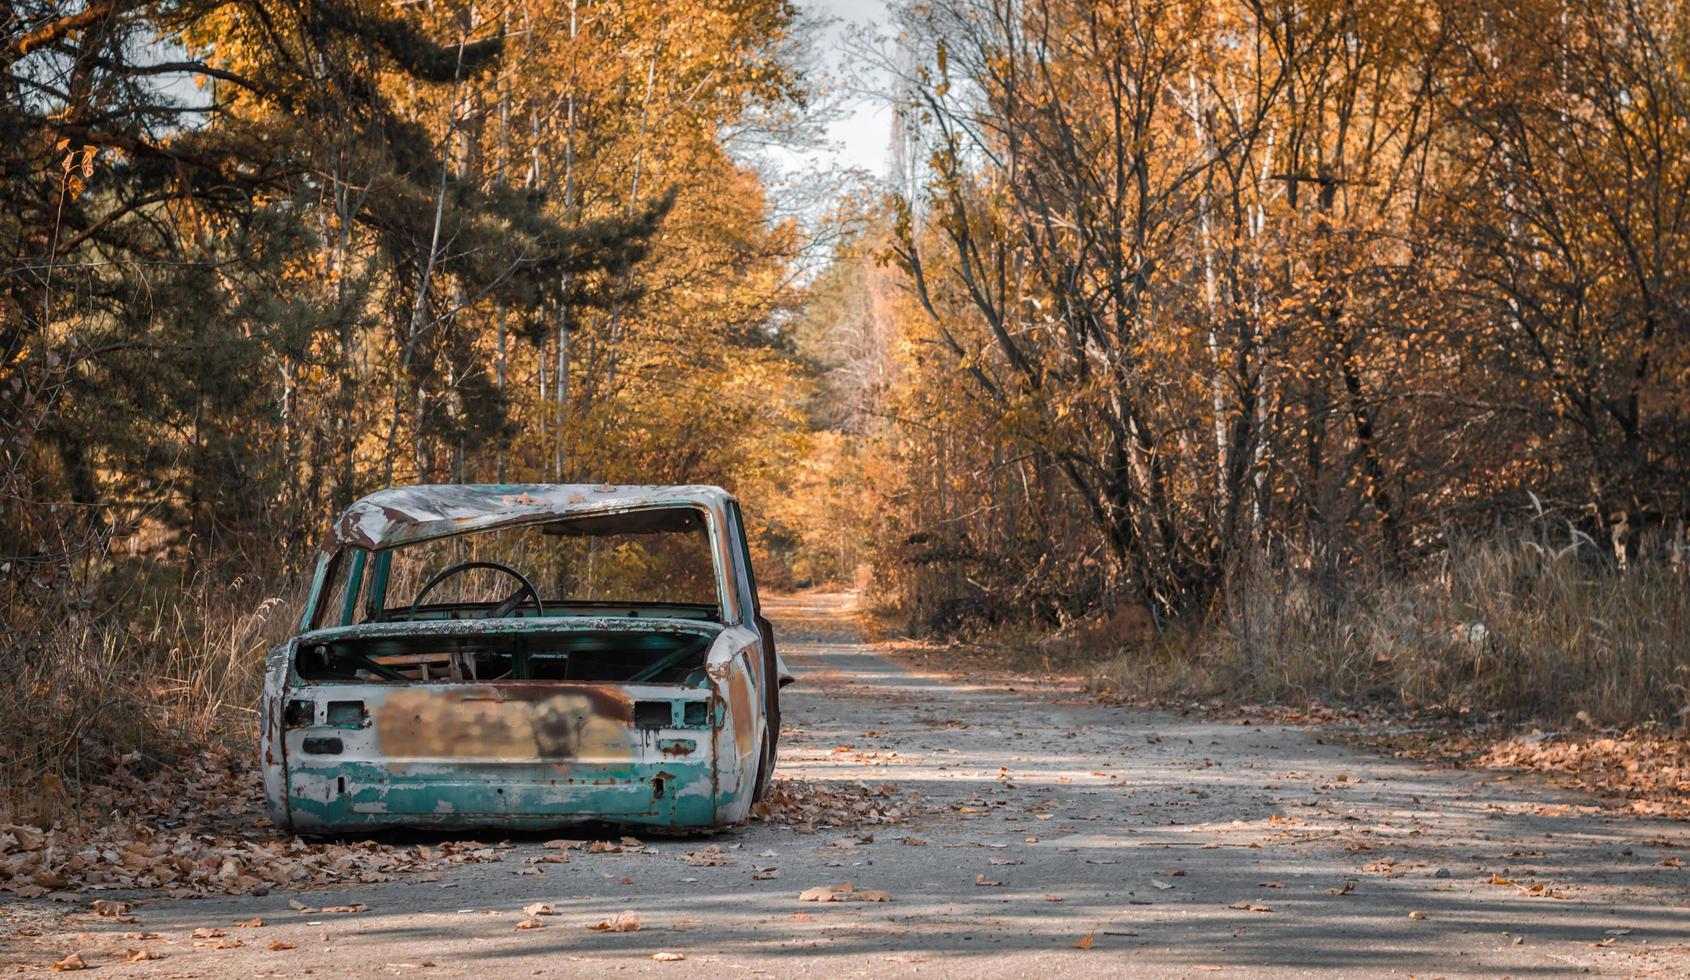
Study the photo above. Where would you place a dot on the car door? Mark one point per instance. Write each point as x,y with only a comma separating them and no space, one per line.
769,674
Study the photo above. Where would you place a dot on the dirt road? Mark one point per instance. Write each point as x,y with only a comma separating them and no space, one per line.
1168,845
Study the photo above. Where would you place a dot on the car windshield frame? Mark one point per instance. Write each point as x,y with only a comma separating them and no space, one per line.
317,614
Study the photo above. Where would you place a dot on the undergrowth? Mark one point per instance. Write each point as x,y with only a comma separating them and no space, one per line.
135,667
1516,628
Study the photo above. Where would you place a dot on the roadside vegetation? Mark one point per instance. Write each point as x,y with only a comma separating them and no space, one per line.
1311,354
1495,628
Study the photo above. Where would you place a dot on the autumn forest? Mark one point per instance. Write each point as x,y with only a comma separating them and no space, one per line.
1320,351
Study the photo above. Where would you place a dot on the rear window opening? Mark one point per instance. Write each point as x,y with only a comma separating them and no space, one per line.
615,656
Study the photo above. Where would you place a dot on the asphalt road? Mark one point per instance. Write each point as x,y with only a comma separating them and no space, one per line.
1172,846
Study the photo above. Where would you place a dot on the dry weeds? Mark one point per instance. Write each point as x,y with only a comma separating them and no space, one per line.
1517,628
135,681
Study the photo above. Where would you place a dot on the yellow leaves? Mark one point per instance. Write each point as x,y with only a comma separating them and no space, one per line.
77,166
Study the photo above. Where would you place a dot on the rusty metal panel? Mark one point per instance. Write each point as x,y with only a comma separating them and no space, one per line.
465,754
405,515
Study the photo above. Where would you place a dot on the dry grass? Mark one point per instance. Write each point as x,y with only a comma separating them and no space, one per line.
1521,629
148,675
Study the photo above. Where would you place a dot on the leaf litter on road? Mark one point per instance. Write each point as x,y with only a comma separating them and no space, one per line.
626,920
708,857
196,828
847,892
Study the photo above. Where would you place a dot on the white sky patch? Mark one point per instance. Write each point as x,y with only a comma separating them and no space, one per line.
858,139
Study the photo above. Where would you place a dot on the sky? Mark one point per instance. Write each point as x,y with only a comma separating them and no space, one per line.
859,139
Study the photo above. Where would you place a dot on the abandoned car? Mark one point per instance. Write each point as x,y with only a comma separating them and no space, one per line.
525,656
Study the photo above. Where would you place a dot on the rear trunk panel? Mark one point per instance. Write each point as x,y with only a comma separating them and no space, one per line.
503,753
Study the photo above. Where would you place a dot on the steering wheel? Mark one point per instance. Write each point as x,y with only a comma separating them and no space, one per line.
499,611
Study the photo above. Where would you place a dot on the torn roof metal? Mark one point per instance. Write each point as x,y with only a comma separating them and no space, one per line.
406,515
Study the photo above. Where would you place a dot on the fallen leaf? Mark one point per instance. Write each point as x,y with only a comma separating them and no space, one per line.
252,923
625,921
1349,886
141,955
71,962
207,932
277,945
986,882
765,874
1271,884
530,924
108,910
842,893
1497,879
1161,884
1085,941
667,957
708,857
1417,914
357,907
1251,907
539,908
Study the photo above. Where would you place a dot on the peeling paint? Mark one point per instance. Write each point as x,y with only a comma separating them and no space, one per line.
518,752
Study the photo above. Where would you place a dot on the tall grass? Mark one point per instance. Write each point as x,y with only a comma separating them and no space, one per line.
155,674
1525,626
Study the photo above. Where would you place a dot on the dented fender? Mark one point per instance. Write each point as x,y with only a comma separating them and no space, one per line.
739,737
272,761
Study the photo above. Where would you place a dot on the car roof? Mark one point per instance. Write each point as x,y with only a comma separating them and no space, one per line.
406,515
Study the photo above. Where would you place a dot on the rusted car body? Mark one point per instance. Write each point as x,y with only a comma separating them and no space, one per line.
636,683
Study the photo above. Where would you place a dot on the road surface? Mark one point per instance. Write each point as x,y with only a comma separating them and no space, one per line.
1059,837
